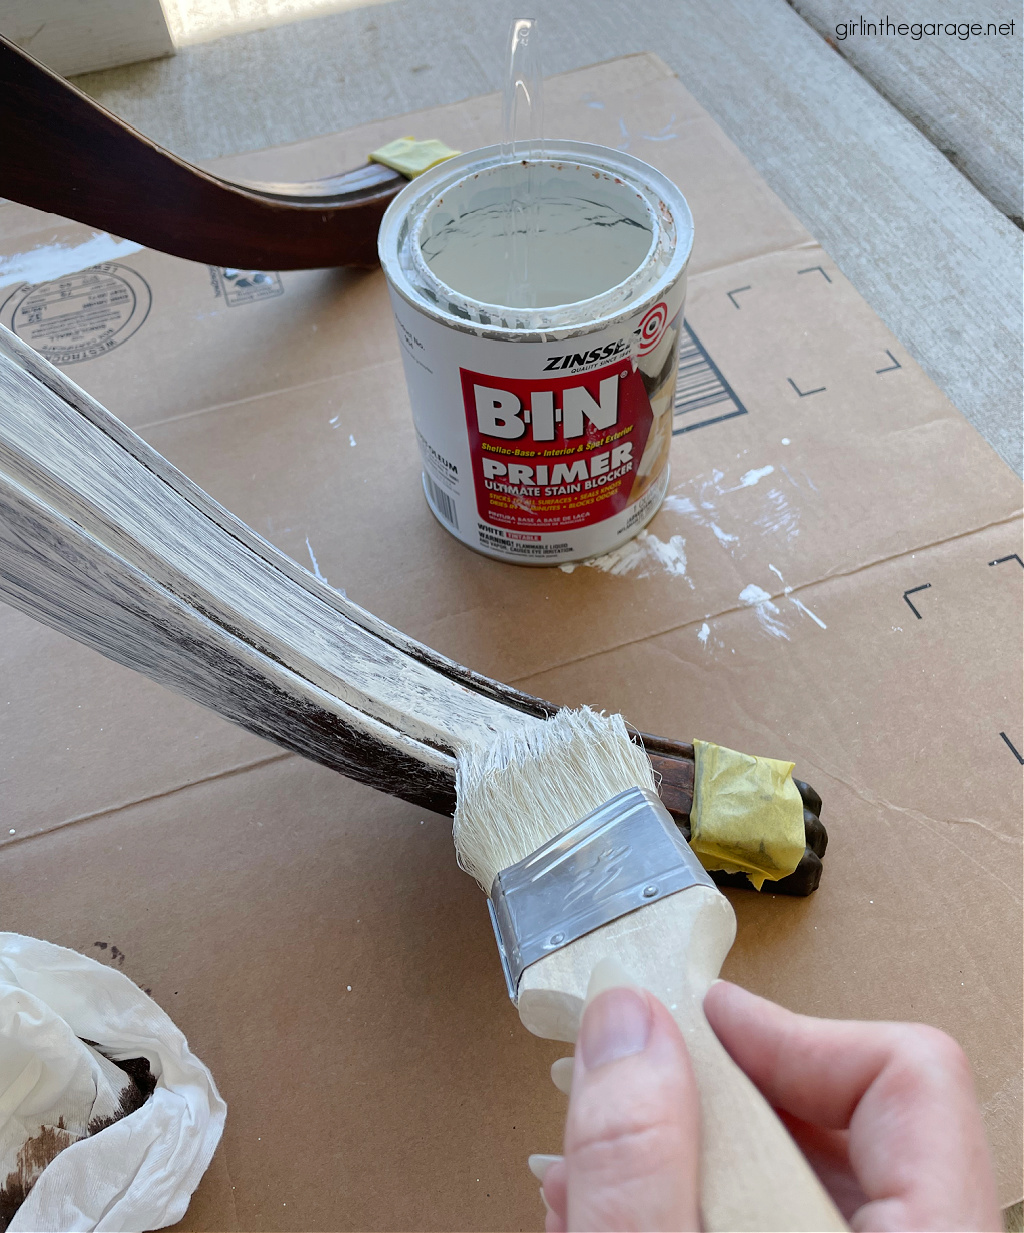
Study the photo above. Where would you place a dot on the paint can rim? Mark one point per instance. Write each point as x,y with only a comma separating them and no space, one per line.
658,190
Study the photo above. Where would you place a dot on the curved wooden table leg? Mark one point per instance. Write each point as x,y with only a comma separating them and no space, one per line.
64,153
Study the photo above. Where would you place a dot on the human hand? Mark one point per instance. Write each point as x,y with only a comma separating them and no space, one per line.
885,1112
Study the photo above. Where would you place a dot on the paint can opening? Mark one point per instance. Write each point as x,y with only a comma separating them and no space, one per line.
535,235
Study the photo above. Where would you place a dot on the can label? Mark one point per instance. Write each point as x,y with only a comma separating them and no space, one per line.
557,454
544,452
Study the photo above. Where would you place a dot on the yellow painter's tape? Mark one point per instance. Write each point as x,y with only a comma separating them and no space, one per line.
747,815
411,158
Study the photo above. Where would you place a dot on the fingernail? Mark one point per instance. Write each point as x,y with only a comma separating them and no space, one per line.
608,973
615,1025
561,1074
539,1164
543,1199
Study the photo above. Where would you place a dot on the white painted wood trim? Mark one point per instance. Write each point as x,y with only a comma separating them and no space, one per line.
81,36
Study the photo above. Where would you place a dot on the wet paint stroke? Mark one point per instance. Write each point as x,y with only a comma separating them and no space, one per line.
807,612
779,517
708,639
751,478
679,505
647,554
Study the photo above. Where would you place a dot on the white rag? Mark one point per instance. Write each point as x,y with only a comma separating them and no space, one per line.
95,1148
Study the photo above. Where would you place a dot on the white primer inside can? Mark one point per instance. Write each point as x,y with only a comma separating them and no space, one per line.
544,427
578,239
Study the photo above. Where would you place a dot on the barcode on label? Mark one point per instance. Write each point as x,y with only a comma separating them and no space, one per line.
700,388
442,502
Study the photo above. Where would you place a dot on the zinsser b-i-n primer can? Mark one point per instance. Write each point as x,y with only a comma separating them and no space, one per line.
539,307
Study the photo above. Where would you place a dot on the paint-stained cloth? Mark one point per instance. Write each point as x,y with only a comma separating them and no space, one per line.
109,1121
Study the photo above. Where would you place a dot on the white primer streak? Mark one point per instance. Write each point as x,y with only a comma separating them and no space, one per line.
803,608
752,594
621,560
778,516
670,555
46,262
788,592
679,505
766,611
723,537
642,555
751,477
316,568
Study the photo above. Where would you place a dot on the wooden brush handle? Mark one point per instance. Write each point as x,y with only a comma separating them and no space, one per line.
753,1176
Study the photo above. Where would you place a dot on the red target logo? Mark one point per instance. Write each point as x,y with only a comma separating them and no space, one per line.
652,327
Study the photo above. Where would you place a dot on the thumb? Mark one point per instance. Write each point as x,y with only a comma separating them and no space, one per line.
632,1132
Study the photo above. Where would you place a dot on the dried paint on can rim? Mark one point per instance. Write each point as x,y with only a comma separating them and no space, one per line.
544,431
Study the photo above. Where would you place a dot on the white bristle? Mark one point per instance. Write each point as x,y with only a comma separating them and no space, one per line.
533,781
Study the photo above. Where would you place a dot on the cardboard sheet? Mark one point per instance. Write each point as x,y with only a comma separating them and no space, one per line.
837,582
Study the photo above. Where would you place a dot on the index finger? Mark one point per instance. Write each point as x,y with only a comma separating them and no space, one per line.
816,1069
916,1142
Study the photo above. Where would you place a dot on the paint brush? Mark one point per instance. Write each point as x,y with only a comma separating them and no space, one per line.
561,825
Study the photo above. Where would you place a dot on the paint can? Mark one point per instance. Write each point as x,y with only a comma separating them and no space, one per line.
544,428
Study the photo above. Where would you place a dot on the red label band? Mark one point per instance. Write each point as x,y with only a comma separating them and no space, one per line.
554,454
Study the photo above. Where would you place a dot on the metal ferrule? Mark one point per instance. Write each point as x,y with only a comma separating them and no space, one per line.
624,855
